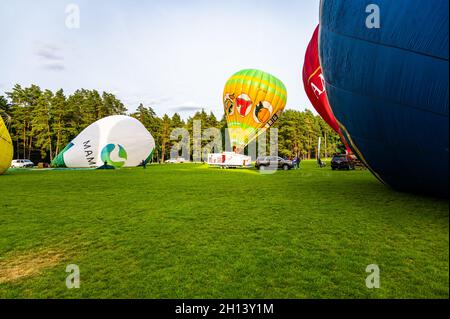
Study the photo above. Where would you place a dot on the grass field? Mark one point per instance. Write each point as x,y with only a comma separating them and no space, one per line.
189,231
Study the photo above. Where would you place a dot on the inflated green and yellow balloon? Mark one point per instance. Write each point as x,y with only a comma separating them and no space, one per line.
6,147
253,100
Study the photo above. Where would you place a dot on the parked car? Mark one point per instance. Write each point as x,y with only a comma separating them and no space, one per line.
342,161
22,163
175,160
266,161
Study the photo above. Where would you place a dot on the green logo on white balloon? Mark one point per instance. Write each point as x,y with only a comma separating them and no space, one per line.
106,155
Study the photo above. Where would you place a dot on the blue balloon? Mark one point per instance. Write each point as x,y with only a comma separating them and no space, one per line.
385,64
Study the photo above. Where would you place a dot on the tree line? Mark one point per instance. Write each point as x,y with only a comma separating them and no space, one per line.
42,123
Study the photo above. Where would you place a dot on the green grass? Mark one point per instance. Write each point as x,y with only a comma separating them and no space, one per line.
189,231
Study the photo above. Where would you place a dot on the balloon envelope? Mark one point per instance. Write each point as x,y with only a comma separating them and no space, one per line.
388,87
119,140
6,148
253,100
314,85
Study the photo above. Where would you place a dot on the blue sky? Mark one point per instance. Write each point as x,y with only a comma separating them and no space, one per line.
172,55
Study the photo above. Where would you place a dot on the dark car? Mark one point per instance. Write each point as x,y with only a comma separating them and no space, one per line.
268,162
342,161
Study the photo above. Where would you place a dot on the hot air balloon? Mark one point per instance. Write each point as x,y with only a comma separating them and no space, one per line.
388,86
6,148
315,87
118,140
253,100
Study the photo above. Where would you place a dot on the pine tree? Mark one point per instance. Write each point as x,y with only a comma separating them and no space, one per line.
4,106
63,128
41,124
110,106
165,136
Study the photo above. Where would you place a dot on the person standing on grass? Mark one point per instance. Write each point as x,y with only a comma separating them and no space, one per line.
297,162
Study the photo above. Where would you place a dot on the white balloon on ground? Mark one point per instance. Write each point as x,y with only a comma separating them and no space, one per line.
119,140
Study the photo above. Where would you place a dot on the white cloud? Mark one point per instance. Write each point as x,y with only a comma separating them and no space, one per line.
187,107
50,56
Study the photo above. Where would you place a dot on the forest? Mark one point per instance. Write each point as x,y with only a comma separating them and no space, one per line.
42,123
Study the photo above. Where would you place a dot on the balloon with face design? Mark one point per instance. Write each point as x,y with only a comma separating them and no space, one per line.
253,100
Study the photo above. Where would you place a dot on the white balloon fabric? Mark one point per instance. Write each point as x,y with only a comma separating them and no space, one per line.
118,140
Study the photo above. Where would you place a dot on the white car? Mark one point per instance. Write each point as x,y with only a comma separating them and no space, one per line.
175,160
21,163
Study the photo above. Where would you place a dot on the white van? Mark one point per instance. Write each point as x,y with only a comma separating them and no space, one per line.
229,159
21,163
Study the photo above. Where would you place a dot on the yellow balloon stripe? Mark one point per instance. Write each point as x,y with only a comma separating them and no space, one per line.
263,83
253,91
267,87
6,148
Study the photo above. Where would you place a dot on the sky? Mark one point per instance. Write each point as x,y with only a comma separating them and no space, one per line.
172,55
